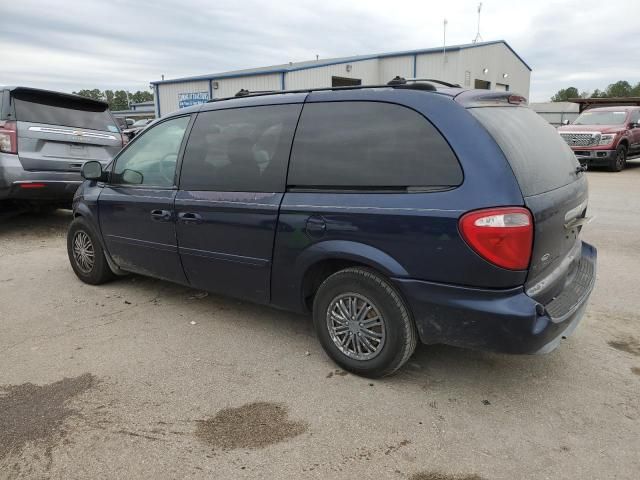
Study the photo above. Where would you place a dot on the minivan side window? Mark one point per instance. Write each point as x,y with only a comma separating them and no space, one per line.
369,145
240,150
635,116
151,158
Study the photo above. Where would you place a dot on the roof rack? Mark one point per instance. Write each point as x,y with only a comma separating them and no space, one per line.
403,81
244,93
397,82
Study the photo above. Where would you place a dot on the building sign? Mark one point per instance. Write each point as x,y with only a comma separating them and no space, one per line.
192,98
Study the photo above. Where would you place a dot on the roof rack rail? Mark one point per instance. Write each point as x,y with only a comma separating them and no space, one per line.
433,80
397,82
403,81
244,92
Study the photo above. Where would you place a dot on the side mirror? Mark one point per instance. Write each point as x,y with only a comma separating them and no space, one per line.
92,170
565,121
132,176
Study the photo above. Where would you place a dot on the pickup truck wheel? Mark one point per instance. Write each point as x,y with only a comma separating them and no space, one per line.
620,160
363,324
86,254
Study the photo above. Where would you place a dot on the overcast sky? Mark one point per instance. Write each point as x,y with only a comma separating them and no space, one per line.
72,44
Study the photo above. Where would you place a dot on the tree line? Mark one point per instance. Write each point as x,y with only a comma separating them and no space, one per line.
117,99
621,88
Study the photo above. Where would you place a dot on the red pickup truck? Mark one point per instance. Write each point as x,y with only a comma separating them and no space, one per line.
604,136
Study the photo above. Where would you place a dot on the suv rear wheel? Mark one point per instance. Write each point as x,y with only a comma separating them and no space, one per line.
362,323
86,254
620,160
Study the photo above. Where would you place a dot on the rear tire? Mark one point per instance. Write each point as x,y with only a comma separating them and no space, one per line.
363,324
86,254
619,161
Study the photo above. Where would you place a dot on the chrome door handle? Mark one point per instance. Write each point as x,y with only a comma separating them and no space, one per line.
189,217
161,215
578,222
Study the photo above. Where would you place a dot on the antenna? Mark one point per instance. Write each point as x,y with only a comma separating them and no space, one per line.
478,36
444,39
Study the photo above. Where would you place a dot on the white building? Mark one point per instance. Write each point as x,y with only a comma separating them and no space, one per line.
556,112
491,65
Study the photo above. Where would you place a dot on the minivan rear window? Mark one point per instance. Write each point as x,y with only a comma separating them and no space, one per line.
540,159
50,109
363,145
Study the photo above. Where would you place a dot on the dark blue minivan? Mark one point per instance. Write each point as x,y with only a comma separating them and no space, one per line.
391,213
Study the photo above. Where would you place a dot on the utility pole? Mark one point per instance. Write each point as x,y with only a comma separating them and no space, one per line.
478,36
444,39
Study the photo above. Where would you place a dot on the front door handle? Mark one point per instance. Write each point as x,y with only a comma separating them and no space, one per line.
189,217
161,215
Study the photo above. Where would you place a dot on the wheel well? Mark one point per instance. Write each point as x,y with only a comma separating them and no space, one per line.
624,143
318,273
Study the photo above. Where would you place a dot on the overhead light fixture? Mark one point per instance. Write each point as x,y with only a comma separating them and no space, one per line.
348,67
505,75
485,70
215,85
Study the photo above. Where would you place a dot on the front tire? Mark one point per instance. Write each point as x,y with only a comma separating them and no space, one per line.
86,254
363,324
619,162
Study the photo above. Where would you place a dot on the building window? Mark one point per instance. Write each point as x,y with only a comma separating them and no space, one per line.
345,82
482,84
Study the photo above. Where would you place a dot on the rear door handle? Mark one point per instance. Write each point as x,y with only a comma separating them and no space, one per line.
161,215
578,222
189,217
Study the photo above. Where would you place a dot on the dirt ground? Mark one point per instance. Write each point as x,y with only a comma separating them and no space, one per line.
140,378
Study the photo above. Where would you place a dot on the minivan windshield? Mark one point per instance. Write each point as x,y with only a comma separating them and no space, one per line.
601,118
51,109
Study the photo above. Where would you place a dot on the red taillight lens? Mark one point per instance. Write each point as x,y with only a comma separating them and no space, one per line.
8,137
517,99
32,185
502,236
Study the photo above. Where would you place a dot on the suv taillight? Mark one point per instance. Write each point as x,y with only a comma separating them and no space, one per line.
502,236
8,137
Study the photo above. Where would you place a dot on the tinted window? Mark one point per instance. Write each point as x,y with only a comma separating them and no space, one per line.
541,160
369,144
51,109
151,158
243,149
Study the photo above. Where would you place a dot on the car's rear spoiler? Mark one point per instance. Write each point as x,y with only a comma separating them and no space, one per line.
485,98
52,97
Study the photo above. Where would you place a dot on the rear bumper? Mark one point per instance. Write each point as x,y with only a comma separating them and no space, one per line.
506,321
595,157
20,184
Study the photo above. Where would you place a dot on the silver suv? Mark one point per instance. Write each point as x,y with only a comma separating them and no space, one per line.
45,139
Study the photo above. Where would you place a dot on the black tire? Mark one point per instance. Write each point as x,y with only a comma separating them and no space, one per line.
400,336
99,271
619,161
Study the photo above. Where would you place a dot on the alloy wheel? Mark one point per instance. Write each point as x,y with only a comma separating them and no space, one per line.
356,326
83,252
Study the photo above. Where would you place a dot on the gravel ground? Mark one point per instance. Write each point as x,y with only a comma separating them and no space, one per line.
140,378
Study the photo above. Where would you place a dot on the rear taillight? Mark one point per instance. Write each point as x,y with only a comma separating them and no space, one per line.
502,236
31,185
8,137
